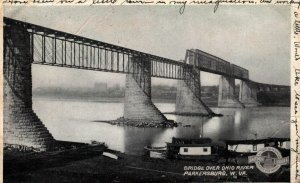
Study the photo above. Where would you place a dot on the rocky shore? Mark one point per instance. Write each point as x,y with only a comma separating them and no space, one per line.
142,123
195,114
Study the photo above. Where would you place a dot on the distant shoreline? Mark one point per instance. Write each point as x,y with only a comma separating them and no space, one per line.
98,99
208,101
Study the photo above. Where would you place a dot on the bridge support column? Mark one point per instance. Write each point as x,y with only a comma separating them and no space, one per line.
138,105
187,101
226,93
21,128
248,94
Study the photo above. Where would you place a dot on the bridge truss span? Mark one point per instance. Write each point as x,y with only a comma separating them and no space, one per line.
209,63
56,48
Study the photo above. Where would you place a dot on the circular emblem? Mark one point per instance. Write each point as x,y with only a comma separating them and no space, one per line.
267,160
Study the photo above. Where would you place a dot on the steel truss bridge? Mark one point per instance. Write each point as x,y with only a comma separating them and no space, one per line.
56,48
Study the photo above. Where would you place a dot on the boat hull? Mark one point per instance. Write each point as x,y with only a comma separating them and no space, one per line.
197,157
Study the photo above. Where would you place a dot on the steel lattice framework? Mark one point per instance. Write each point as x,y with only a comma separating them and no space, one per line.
209,63
57,48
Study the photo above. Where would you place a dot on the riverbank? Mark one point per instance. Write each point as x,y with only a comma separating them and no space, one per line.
87,164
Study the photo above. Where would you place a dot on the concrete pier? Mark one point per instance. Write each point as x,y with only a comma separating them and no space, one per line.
226,93
188,103
138,105
188,95
248,94
22,127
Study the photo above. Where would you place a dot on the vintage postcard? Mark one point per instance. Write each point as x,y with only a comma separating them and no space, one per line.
167,91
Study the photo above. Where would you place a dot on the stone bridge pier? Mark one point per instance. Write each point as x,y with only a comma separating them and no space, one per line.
226,96
188,96
21,128
138,105
248,94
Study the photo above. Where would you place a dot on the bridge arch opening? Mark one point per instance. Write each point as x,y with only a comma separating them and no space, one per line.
237,87
209,88
95,96
163,94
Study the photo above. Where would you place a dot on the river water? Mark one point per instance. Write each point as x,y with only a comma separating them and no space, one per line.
72,120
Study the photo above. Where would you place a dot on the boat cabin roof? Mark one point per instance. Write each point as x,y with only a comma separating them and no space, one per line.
191,141
256,141
190,145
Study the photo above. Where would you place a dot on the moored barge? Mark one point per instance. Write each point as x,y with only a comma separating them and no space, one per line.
249,147
200,149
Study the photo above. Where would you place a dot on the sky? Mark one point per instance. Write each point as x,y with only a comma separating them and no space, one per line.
254,37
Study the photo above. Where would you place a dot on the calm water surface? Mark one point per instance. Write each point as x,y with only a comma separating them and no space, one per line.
71,120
